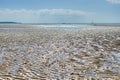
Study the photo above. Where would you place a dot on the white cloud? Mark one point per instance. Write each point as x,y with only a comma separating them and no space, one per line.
114,1
43,15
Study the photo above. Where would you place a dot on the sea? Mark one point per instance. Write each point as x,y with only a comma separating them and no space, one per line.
71,26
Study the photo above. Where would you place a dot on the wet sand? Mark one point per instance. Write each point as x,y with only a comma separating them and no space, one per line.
46,54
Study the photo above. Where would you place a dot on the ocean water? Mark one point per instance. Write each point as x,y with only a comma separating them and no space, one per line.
53,26
72,26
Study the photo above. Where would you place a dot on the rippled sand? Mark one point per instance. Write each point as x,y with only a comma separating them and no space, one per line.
43,54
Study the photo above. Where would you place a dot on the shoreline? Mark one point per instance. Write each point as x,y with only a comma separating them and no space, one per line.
54,25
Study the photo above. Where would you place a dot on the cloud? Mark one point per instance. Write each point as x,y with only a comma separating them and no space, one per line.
43,15
114,1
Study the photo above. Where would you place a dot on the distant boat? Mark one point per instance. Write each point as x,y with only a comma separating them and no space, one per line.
92,23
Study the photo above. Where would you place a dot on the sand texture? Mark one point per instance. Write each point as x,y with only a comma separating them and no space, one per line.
43,54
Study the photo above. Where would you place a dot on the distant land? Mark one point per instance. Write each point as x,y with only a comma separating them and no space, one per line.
9,23
93,24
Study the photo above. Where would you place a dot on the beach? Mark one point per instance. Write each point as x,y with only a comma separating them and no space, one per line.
36,52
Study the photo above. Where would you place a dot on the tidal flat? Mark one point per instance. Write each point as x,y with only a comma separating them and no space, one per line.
57,54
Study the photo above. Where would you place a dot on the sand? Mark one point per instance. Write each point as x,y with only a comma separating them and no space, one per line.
45,54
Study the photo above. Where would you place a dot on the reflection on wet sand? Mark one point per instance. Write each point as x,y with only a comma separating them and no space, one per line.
60,54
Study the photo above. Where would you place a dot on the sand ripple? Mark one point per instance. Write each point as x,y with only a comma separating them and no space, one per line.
60,54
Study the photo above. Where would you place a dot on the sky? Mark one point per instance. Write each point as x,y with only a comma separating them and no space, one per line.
60,11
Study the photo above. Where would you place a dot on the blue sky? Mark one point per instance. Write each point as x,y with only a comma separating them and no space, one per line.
60,11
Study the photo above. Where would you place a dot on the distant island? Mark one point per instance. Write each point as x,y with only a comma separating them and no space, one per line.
92,24
9,23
